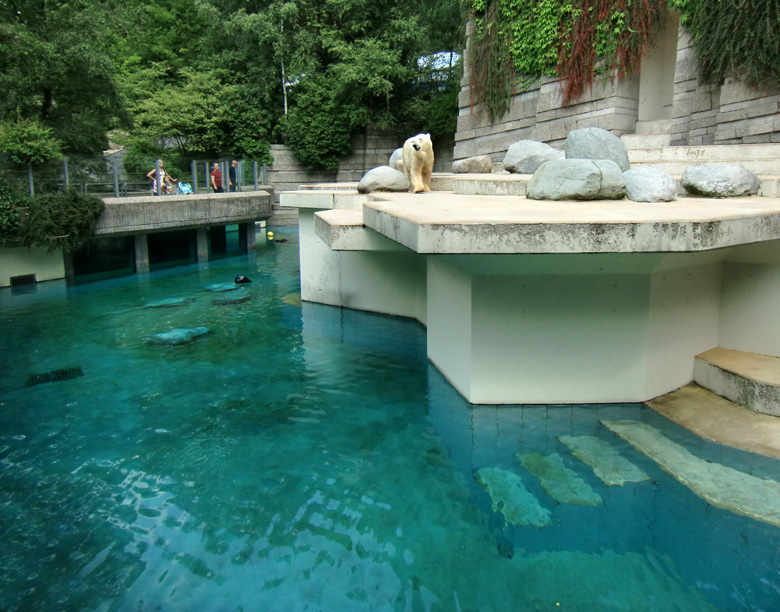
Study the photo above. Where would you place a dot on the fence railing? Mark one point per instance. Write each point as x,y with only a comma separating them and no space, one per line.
106,176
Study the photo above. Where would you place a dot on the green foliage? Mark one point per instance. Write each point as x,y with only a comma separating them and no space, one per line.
62,220
734,39
27,141
58,69
11,202
320,127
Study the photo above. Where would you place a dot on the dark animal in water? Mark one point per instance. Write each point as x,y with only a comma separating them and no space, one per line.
53,376
280,239
242,280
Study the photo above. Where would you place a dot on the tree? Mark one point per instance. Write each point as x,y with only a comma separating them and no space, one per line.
27,141
58,68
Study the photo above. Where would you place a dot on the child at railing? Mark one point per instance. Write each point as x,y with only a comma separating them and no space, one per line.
166,180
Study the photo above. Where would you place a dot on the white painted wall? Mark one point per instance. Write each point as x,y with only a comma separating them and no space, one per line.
17,261
750,308
683,309
320,267
449,323
559,338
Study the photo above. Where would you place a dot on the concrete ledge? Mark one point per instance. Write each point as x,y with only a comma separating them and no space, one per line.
715,418
446,223
341,230
747,379
490,184
322,199
150,213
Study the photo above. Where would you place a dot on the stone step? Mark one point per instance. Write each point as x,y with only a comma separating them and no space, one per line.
747,379
645,141
655,127
715,418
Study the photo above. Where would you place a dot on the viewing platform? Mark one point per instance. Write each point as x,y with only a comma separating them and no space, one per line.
544,302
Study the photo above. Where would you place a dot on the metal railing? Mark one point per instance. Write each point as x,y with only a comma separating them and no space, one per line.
105,176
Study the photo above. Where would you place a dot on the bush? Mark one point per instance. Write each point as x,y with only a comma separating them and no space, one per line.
10,204
64,220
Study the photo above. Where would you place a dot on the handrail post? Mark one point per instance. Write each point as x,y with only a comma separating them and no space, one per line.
194,173
65,172
30,180
254,172
116,176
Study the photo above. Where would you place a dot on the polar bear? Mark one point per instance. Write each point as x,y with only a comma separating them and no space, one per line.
417,157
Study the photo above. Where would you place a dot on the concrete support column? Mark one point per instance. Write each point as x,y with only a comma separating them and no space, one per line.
70,272
202,238
141,254
247,233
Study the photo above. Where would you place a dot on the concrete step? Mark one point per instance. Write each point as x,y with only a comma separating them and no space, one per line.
645,141
747,379
657,126
489,184
715,418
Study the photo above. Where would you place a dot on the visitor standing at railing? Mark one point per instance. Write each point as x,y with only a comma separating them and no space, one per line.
216,179
160,178
232,179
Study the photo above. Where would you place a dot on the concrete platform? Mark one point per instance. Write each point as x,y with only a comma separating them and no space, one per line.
747,379
715,418
530,302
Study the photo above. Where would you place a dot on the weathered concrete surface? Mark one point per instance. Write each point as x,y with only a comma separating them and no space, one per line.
150,213
747,379
715,418
443,223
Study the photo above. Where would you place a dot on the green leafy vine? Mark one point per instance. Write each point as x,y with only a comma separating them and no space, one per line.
516,42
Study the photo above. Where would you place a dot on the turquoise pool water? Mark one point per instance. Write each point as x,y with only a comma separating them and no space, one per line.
303,457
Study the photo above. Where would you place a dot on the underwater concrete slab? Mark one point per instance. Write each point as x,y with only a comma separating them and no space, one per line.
715,418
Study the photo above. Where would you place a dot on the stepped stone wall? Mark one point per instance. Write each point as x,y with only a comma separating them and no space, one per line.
729,113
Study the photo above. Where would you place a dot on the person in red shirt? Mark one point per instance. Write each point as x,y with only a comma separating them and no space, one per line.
216,179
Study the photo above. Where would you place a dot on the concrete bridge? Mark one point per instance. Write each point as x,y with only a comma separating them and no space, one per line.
141,216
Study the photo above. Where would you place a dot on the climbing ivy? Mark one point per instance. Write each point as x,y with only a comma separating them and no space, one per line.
575,40
515,42
734,39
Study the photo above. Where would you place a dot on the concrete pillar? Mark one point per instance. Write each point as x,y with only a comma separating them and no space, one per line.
247,236
202,239
141,254
70,272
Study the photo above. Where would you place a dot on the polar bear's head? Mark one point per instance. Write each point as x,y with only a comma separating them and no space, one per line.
419,142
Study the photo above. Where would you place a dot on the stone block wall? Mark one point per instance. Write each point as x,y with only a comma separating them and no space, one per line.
725,113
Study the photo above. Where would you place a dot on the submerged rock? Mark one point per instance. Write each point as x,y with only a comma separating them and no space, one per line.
219,287
178,336
293,299
169,303
558,481
511,498
53,376
609,465
719,485
239,297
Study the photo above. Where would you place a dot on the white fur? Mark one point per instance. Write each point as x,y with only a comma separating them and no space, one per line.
417,157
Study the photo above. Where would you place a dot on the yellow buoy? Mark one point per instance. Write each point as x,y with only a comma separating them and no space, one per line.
270,235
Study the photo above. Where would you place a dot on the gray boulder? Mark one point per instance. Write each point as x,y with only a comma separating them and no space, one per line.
595,143
577,179
480,164
383,178
649,185
525,156
179,336
720,181
396,160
